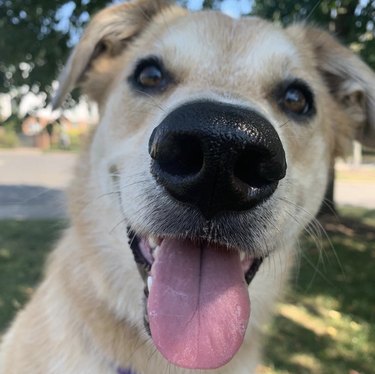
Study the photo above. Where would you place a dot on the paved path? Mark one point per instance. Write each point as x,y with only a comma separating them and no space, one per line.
355,185
355,193
32,185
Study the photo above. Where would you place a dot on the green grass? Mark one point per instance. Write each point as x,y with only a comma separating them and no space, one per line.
23,249
326,323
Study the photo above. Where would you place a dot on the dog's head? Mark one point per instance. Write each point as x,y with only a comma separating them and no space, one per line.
213,151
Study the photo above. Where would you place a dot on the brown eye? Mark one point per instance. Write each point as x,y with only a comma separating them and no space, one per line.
295,101
150,76
296,98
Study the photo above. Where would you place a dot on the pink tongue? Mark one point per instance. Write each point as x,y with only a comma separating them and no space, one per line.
198,305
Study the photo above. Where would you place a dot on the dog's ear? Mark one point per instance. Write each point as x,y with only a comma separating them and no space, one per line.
350,81
95,60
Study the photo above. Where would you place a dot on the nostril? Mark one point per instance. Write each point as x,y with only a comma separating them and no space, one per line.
248,167
179,155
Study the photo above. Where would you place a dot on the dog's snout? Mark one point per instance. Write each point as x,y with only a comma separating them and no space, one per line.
217,157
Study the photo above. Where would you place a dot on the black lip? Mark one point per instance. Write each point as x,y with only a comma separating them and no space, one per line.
146,323
250,274
143,265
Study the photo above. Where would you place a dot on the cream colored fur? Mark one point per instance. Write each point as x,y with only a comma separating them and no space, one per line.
87,315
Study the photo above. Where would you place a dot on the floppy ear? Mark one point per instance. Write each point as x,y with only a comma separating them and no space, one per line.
350,81
95,61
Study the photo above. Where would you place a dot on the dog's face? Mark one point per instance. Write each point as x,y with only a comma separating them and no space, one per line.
213,153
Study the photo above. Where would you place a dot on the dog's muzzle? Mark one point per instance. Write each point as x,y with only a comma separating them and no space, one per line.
217,157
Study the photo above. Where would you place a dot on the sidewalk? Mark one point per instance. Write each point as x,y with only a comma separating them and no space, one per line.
355,185
31,167
32,184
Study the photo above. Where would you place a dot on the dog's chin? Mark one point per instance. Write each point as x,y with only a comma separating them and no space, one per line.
197,303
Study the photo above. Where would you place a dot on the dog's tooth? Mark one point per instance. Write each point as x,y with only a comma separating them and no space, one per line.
156,250
242,256
149,283
152,242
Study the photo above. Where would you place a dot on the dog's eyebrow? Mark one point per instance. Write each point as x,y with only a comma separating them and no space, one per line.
149,59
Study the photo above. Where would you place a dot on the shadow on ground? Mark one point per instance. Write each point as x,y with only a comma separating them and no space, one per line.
327,323
31,202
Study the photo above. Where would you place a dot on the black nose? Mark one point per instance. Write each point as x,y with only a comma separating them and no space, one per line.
217,157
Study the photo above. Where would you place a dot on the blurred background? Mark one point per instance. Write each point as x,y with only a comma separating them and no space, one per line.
326,324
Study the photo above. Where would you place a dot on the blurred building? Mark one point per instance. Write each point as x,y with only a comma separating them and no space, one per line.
43,127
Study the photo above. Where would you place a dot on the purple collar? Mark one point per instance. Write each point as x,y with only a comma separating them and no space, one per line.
125,371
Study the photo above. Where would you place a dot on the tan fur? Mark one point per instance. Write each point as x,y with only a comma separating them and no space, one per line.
87,315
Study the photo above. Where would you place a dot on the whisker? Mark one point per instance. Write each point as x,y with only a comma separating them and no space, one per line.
285,123
111,193
317,272
316,236
138,346
31,198
123,220
328,203
153,101
315,7
316,230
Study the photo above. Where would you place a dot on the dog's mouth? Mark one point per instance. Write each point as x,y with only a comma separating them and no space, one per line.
198,305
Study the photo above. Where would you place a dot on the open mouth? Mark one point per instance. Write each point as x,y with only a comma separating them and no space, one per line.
197,298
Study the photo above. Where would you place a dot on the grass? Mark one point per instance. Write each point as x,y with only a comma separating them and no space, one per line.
326,323
24,246
8,138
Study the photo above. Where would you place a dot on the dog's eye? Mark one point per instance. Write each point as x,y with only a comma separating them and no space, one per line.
296,99
150,75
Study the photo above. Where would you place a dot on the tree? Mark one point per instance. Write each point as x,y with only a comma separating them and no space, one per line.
37,36
351,20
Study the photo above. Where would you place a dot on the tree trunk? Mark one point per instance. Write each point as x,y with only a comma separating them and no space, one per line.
343,29
208,4
328,207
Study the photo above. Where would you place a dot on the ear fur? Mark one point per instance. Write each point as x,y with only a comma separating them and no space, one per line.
94,62
350,81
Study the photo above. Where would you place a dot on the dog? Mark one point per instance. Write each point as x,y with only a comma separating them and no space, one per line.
212,155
